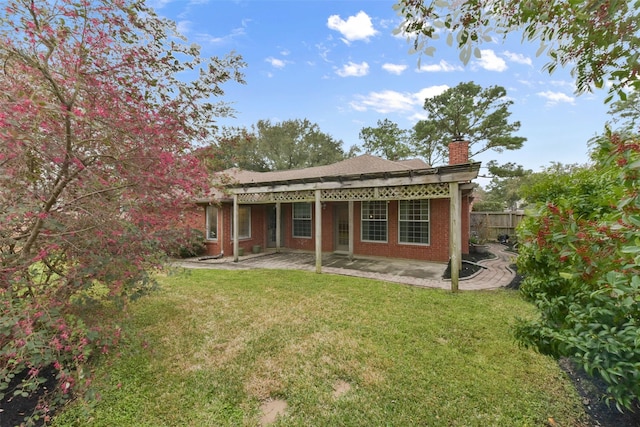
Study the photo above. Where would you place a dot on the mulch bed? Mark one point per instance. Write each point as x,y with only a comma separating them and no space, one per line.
14,409
468,269
591,389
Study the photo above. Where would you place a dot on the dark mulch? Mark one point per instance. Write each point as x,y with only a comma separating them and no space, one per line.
14,409
467,268
592,391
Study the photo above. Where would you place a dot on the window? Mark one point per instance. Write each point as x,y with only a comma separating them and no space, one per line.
244,223
374,221
414,222
212,223
302,220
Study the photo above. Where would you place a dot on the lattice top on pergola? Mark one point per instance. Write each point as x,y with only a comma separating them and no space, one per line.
398,192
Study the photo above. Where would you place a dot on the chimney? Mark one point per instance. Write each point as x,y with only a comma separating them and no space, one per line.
458,151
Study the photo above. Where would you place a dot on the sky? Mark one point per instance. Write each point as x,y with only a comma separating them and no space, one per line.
339,65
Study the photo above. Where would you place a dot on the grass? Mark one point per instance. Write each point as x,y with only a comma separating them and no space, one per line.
212,346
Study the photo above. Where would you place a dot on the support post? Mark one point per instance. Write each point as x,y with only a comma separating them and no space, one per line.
235,228
455,232
278,231
220,224
351,231
318,232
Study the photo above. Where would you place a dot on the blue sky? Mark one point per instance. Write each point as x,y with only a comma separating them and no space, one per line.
338,64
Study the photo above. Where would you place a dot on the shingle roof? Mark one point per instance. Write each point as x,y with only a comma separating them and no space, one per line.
364,164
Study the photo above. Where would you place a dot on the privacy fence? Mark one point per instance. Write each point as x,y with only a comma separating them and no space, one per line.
490,225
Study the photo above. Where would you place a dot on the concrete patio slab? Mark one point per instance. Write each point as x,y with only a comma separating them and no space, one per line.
496,273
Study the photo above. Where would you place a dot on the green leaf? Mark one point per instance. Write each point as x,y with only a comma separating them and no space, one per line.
630,249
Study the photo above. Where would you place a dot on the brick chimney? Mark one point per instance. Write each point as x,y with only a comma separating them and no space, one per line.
458,152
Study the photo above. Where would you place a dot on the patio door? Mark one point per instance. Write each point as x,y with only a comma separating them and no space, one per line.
341,227
271,227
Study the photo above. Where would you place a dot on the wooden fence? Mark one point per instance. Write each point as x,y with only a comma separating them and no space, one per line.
490,225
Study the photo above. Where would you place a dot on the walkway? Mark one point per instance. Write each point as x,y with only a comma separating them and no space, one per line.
496,273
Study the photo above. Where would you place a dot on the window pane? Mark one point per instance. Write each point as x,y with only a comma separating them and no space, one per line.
374,221
414,221
244,222
302,211
212,222
302,220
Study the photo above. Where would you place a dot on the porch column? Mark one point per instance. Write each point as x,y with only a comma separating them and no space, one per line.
278,231
318,233
455,233
221,228
235,228
350,229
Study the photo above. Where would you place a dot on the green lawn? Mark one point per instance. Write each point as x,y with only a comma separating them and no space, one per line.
212,346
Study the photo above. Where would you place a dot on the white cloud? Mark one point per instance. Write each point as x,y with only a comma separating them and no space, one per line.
275,62
554,98
394,68
236,32
390,101
323,51
429,92
358,27
490,61
517,57
184,27
443,66
352,69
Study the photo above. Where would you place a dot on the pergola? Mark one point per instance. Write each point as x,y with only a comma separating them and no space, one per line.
424,183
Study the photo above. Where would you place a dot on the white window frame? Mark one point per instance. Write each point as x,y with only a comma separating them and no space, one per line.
426,221
371,219
304,218
208,213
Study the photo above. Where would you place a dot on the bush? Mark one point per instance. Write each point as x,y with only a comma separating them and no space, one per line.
181,243
580,255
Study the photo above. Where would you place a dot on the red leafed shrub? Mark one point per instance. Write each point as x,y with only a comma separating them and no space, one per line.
98,122
580,253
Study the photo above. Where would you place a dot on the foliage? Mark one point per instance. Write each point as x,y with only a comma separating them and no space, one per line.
580,254
506,186
291,144
233,147
598,38
424,145
626,113
386,140
96,124
181,242
213,345
470,112
295,144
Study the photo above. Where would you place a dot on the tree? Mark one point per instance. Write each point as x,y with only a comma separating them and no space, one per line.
626,113
96,131
233,148
386,140
599,39
294,144
471,112
425,145
506,186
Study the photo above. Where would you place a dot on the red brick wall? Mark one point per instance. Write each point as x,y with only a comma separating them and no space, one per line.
225,240
437,250
458,152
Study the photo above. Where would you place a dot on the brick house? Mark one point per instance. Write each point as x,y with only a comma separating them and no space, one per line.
364,205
